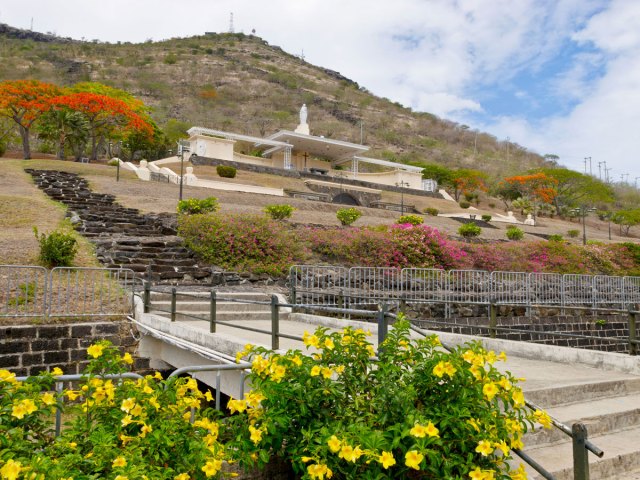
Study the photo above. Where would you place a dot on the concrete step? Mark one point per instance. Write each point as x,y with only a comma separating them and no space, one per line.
621,456
601,416
204,306
574,394
242,316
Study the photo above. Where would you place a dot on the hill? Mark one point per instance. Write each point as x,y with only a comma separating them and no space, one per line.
241,83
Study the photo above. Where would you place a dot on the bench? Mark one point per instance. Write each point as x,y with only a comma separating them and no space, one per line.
320,171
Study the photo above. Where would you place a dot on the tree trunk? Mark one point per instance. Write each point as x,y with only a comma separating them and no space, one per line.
26,148
61,142
94,148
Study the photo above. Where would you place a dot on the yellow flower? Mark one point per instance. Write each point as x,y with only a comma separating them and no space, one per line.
128,404
315,371
418,431
542,418
48,399
121,477
339,369
256,435
328,344
319,471
136,411
370,350
519,474
310,340
126,420
95,350
334,444
237,405
412,459
57,371
212,467
386,459
153,401
502,357
157,376
518,397
346,452
127,358
327,372
490,390
119,462
474,423
478,474
7,376
24,407
490,357
502,446
277,372
484,448
182,476
505,384
468,356
11,470
73,445
254,398
444,368
296,360
431,430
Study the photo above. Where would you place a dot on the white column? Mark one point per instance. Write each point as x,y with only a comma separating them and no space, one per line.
354,167
287,158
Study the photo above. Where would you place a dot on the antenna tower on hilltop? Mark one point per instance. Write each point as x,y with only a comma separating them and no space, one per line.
231,23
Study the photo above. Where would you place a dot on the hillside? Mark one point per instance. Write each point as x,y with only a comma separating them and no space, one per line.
241,83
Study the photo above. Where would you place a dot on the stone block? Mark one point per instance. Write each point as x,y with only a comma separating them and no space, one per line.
69,343
61,356
81,331
19,332
78,355
7,361
53,331
30,359
14,347
45,344
107,329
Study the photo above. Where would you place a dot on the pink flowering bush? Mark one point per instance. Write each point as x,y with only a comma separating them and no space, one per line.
247,243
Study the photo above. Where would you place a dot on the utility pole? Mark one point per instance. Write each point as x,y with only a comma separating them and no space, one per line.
585,165
636,182
600,170
607,170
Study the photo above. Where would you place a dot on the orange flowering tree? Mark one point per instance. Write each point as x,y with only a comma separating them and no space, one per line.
535,187
24,101
465,180
106,116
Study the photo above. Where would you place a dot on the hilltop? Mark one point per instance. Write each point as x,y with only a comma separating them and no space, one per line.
242,83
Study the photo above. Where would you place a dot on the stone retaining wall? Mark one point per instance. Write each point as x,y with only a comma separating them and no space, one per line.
30,349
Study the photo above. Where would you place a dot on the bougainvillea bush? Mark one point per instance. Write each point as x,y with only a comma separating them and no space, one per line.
251,243
417,412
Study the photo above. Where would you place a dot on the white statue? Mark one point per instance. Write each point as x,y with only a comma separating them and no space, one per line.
303,114
529,220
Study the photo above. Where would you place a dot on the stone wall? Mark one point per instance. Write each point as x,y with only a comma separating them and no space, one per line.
30,349
535,329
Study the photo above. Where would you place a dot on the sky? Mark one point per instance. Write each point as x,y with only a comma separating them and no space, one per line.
558,77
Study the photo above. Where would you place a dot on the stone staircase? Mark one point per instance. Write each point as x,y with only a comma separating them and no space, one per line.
197,306
611,412
124,238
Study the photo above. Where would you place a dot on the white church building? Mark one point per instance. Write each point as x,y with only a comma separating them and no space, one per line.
301,151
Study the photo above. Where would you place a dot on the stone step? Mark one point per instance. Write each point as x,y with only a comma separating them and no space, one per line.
622,454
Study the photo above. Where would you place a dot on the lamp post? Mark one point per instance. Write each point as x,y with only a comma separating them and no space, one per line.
183,146
114,149
402,184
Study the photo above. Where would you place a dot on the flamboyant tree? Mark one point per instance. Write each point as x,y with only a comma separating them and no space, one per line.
106,116
535,186
24,101
465,181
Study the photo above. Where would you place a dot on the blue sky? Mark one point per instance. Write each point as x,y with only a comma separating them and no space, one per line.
555,76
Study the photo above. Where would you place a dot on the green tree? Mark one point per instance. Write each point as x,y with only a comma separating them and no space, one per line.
575,188
175,130
64,128
626,219
433,171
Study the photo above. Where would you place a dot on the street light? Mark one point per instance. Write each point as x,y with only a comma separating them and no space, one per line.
113,148
183,146
402,184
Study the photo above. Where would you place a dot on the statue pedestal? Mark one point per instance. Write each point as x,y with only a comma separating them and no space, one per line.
302,128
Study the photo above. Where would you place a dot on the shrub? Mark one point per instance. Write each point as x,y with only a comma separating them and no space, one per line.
469,230
556,237
226,171
194,206
347,216
464,204
243,242
116,428
411,219
57,249
171,59
486,218
443,416
432,211
113,162
491,205
573,233
3,148
279,212
514,233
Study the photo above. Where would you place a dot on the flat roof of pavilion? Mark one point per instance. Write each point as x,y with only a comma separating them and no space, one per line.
236,136
383,163
320,146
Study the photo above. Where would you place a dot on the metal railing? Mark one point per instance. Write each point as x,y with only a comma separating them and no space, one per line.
324,285
35,292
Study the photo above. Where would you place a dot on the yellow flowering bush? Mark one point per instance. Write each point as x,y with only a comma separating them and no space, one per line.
118,428
417,411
